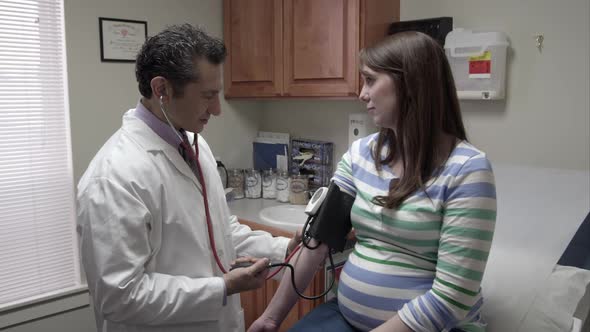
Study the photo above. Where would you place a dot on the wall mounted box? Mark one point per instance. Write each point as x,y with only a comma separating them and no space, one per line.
478,62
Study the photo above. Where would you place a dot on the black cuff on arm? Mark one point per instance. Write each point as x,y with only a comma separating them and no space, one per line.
332,223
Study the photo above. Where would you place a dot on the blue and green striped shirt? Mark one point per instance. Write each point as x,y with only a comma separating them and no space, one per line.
424,260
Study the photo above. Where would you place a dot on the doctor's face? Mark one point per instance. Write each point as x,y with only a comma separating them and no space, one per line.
200,100
379,94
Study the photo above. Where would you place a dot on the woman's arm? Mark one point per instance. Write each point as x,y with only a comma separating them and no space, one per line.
306,264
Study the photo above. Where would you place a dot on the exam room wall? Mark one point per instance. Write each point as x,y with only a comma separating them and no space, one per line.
99,94
544,120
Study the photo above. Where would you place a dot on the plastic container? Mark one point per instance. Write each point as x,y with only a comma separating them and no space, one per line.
253,184
269,184
283,186
236,181
298,190
478,62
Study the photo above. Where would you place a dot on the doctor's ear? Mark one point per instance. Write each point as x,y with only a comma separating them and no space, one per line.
163,94
160,87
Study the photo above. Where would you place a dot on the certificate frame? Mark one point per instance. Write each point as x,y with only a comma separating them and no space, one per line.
120,39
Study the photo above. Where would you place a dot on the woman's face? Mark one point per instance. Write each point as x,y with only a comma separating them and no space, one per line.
379,94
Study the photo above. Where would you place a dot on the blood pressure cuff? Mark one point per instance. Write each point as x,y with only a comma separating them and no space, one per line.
332,223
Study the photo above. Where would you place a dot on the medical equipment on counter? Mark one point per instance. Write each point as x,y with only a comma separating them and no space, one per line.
298,189
270,150
253,183
312,158
236,182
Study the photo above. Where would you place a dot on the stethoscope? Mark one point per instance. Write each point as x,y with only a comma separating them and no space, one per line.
194,156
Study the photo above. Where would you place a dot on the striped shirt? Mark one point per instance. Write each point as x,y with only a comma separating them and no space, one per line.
425,259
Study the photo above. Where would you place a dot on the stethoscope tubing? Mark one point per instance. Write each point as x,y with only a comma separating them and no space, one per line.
195,157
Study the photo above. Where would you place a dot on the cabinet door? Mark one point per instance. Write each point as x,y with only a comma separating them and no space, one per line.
253,36
320,47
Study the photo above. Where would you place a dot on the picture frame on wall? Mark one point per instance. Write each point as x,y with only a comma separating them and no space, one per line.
120,39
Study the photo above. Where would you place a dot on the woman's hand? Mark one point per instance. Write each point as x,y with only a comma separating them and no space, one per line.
263,324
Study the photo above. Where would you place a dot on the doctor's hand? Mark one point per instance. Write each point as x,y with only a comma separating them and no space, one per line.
246,278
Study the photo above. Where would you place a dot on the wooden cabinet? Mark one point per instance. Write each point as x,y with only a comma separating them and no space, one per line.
255,302
300,48
253,35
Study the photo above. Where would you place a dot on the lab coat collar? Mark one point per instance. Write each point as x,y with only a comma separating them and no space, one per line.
151,142
161,128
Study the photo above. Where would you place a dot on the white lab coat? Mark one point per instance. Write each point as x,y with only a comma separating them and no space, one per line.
144,242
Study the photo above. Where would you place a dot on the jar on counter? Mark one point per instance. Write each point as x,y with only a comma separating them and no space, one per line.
236,181
253,184
298,189
269,184
283,186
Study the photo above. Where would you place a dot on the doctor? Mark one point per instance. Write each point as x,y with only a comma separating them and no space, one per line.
156,235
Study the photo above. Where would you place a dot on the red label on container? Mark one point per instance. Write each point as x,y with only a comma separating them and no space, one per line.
480,67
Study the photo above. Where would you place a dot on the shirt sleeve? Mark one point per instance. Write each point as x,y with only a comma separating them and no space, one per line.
469,217
343,176
114,240
257,243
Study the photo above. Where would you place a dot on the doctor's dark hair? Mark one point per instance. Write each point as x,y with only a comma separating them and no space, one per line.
427,106
171,54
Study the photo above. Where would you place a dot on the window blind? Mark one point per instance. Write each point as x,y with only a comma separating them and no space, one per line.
38,245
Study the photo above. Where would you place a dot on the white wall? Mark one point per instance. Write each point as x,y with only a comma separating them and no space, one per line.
544,120
100,92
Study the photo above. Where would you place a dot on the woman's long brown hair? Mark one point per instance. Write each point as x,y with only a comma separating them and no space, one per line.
427,108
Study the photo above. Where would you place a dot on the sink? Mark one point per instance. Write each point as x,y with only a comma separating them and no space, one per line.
287,217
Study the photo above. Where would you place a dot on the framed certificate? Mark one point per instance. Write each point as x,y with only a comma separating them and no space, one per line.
120,40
